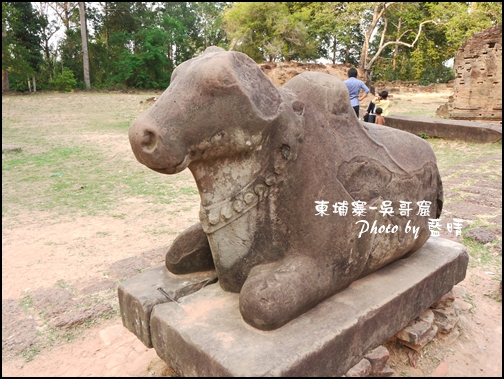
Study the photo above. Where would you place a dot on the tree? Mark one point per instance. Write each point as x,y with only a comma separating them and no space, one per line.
49,29
65,11
85,57
336,31
5,49
21,48
375,15
209,18
459,21
269,31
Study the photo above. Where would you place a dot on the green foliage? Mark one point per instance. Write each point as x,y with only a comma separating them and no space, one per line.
269,31
64,81
459,21
21,42
139,44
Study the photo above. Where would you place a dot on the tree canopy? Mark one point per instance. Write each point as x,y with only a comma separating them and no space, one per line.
139,44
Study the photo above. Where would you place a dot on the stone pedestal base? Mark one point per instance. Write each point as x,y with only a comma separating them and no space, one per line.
203,334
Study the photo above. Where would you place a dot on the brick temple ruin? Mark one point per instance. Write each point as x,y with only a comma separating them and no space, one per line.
478,83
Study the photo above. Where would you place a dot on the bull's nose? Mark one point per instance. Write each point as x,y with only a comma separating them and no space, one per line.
148,141
143,136
144,140
150,149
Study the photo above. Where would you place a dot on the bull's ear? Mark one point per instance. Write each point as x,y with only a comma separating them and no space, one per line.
298,107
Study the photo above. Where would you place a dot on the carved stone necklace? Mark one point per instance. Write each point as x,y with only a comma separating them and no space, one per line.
220,214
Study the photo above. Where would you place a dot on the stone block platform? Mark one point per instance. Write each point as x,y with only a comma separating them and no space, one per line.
203,334
462,130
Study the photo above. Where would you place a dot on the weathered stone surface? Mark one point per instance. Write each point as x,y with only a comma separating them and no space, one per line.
445,318
460,292
444,302
461,305
480,235
205,335
264,159
103,285
469,131
386,372
128,267
18,331
415,333
190,252
11,311
419,344
360,370
378,358
427,316
478,83
18,336
81,315
52,300
497,219
139,294
497,247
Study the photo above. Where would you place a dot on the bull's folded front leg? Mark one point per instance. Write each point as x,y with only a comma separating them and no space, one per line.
190,252
278,292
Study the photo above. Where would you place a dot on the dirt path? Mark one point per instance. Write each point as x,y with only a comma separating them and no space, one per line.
60,274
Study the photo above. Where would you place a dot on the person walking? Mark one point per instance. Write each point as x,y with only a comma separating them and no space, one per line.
354,86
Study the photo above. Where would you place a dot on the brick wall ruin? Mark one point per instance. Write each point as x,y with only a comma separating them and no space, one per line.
478,84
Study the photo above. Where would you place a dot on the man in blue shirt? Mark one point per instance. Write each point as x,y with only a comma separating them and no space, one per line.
354,86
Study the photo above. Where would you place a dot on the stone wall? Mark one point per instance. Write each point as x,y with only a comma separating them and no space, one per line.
478,83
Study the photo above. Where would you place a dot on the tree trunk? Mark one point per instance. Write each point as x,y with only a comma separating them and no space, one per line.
334,51
107,32
5,74
5,81
34,84
396,49
29,85
85,57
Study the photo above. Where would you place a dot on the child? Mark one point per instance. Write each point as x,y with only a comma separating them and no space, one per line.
380,101
379,118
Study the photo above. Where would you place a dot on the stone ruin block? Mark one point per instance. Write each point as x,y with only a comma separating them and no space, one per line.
140,294
205,335
478,83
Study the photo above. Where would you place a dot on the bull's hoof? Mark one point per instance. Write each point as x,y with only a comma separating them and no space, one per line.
190,252
276,293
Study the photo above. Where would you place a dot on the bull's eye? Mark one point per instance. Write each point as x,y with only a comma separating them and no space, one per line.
149,141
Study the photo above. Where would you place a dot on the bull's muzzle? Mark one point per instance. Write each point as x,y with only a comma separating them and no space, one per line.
150,146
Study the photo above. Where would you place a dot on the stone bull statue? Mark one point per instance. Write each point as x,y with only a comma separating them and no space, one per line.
269,164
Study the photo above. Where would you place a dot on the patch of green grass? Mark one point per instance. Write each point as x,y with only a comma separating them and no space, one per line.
66,166
188,191
26,303
481,256
453,153
69,180
468,298
29,353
